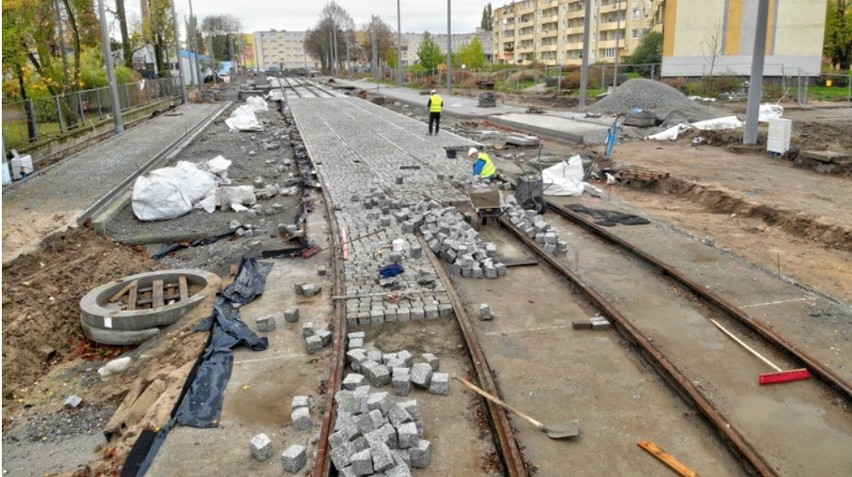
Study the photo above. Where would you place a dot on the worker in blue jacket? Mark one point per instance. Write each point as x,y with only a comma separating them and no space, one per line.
483,167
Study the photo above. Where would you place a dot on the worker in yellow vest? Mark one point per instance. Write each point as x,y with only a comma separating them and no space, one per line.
483,167
435,104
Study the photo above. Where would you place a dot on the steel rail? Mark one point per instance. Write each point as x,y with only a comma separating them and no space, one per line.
322,465
803,358
509,449
670,372
167,152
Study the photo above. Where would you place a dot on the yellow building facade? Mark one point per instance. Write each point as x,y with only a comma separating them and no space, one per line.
551,31
704,37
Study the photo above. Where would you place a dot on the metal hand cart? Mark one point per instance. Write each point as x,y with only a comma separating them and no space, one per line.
488,203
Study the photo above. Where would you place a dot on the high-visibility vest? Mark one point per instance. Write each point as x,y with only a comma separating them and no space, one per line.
488,169
435,104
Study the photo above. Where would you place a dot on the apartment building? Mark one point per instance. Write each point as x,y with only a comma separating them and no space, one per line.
282,50
551,31
411,43
704,37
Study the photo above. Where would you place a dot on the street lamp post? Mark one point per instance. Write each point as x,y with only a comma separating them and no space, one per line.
449,50
177,51
113,88
398,45
584,69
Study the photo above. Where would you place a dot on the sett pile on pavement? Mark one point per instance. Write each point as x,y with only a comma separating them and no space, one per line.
377,168
535,227
374,435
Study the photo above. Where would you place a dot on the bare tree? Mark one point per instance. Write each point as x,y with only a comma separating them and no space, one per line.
384,39
328,39
712,46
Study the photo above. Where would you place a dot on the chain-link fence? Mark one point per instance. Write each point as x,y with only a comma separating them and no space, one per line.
27,122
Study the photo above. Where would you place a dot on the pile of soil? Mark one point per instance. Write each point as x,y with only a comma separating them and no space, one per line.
41,302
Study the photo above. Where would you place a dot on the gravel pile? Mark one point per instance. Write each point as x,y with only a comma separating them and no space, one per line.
659,98
86,419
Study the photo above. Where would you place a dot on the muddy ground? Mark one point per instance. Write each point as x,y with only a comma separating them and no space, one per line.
42,289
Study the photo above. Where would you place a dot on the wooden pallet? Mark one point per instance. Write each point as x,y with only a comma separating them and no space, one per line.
641,173
159,294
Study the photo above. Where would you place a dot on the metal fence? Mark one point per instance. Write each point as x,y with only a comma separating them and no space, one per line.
26,122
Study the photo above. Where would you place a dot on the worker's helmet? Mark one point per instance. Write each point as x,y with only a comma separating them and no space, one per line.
433,92
472,151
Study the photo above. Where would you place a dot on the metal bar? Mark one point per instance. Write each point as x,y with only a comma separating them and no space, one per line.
170,149
513,460
684,385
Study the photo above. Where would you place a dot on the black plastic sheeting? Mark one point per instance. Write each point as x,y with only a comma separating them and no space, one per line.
609,218
195,243
201,403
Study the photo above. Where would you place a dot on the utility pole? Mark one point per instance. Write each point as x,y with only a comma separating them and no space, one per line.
334,47
375,52
61,34
449,50
348,56
398,45
195,46
231,52
755,84
183,97
113,88
584,69
617,38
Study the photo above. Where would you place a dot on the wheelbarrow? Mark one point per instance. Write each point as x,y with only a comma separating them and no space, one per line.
487,203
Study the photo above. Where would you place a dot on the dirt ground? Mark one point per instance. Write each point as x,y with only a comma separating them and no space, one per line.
42,288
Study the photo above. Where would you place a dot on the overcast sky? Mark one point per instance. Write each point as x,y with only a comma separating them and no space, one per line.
299,15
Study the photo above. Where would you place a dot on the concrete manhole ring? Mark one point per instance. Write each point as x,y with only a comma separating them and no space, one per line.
106,323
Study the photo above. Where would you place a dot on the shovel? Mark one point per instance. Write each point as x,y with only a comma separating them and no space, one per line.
568,430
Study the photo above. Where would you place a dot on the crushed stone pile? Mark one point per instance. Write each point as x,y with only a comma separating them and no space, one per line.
661,99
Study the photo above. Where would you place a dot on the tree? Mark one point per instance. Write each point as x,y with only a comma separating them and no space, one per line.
219,29
428,53
649,51
486,23
384,40
471,55
838,34
158,31
712,46
334,24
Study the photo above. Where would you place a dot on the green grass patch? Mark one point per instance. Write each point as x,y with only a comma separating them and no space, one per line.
828,93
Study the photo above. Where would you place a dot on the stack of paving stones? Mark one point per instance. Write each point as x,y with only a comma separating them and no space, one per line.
535,227
315,339
375,174
450,237
378,369
374,435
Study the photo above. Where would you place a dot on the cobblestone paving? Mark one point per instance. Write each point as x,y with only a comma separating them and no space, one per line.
381,171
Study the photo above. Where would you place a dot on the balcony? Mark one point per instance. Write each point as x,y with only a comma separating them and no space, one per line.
610,44
528,36
549,33
575,14
574,30
552,47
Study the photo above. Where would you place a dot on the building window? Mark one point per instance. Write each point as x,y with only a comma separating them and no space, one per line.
635,13
635,33
609,53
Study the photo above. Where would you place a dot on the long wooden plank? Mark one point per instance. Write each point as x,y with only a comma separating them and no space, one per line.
131,297
121,292
157,298
184,288
666,458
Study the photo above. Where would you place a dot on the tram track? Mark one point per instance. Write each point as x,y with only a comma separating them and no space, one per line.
651,346
733,433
